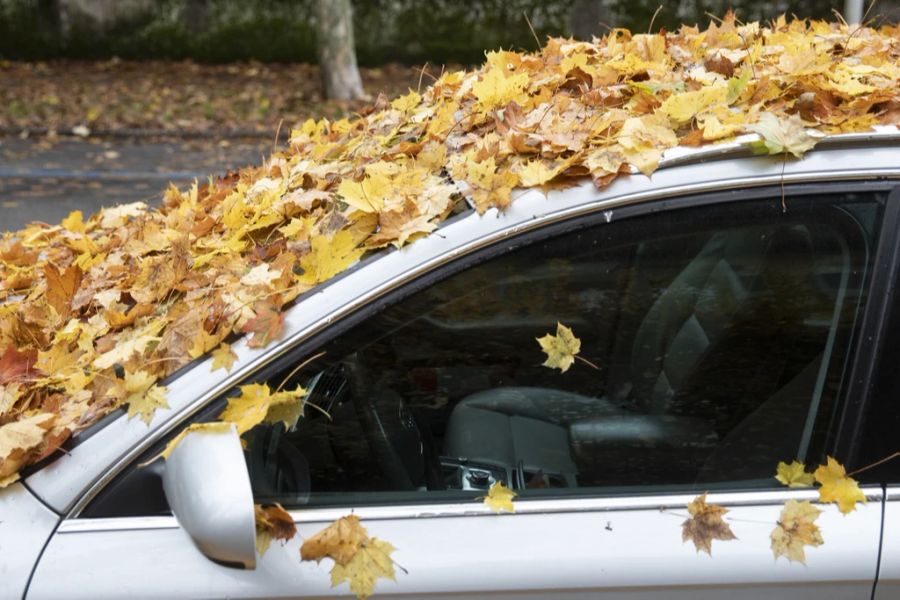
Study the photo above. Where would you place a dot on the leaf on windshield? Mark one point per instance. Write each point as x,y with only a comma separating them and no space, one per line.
272,522
796,529
561,348
705,524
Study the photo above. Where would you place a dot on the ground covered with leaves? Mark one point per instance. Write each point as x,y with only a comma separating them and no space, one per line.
178,97
96,310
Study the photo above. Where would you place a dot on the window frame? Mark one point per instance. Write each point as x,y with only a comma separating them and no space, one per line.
587,217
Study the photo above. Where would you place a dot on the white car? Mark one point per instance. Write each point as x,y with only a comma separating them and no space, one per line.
742,311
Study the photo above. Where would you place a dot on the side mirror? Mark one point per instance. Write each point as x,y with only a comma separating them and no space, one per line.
208,487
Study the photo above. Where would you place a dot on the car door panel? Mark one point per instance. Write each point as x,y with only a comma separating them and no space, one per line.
25,525
551,548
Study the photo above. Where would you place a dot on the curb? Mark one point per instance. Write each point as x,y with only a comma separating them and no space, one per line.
79,132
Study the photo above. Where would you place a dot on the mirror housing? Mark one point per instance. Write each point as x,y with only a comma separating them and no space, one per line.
208,488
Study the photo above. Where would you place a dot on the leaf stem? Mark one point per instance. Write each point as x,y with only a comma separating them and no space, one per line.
586,361
874,464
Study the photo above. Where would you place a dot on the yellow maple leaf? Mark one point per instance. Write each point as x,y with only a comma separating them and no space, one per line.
223,357
496,89
211,427
142,396
684,106
536,173
370,194
705,524
837,487
339,541
500,497
561,348
794,474
328,256
371,561
256,404
18,438
782,136
74,222
644,139
795,529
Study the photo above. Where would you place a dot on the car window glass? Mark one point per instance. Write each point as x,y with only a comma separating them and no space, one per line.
719,334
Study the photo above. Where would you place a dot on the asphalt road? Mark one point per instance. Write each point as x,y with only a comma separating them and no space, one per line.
43,180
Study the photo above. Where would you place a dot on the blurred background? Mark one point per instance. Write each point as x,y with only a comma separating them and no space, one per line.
105,101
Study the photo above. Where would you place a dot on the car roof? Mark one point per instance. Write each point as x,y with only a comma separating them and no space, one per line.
98,458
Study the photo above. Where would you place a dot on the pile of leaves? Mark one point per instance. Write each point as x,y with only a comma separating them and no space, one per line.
93,313
177,97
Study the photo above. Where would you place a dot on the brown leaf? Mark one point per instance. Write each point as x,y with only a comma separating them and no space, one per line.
339,541
15,365
272,522
267,325
705,524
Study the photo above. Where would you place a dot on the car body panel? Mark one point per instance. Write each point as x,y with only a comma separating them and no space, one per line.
550,546
70,482
25,526
888,587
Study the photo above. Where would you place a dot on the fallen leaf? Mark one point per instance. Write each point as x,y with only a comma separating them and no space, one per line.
339,541
499,498
837,487
796,528
212,427
266,325
272,522
371,561
256,404
223,357
794,474
16,365
561,348
705,524
782,135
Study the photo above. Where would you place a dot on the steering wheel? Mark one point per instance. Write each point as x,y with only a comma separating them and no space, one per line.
406,456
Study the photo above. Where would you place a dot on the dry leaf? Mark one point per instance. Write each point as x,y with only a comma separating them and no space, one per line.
272,522
837,487
705,524
223,357
794,474
500,498
796,528
561,348
339,541
371,561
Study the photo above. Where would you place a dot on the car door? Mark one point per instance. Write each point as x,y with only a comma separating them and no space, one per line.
716,339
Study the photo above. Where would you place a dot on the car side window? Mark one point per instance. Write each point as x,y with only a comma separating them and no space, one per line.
717,336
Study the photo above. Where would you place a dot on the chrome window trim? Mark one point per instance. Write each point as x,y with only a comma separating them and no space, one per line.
674,502
675,192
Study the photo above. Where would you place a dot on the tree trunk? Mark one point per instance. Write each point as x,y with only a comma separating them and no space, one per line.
589,18
337,54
